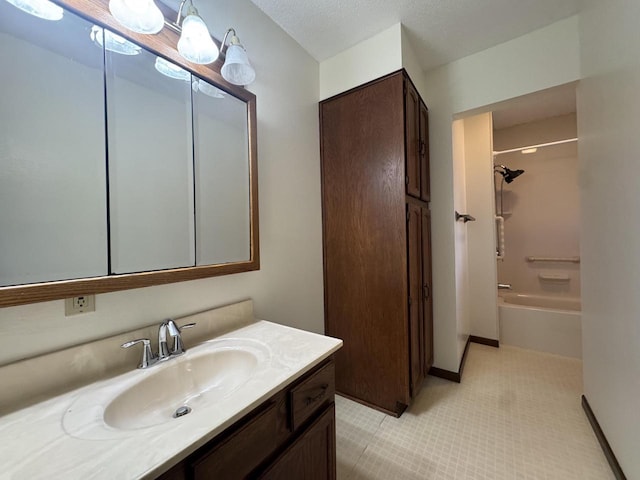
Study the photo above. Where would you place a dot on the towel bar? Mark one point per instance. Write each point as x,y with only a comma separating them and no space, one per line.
554,259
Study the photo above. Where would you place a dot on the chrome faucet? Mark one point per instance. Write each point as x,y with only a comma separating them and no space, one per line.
168,326
148,358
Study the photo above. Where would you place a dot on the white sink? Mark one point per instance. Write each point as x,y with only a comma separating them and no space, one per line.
146,398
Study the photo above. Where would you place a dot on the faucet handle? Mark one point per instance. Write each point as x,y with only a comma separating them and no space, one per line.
148,358
178,346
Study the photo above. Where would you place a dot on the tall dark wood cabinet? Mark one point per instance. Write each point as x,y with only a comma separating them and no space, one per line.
376,239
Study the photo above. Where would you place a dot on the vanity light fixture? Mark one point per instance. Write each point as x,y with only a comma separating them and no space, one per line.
195,43
39,8
140,16
236,68
171,70
113,42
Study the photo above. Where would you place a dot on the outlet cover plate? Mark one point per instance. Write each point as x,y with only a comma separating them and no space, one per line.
81,304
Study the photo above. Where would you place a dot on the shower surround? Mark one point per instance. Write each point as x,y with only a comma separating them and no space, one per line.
541,209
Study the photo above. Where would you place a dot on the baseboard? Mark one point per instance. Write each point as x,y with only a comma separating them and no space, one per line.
484,341
446,374
400,407
449,375
604,444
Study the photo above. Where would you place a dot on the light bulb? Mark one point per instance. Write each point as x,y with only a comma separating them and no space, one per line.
171,70
141,16
39,8
195,43
113,42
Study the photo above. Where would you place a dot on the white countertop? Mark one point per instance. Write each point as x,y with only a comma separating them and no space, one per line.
35,444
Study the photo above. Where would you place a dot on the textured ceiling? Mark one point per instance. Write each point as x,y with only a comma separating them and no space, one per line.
439,30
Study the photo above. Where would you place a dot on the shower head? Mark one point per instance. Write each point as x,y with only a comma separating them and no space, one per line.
508,174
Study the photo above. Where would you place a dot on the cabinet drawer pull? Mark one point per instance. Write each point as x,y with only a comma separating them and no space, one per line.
315,398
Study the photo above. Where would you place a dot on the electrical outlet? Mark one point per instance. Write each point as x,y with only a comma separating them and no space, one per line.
82,304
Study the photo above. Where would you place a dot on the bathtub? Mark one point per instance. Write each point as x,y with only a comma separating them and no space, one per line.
538,322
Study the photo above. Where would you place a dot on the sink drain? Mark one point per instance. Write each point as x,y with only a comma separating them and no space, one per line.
182,411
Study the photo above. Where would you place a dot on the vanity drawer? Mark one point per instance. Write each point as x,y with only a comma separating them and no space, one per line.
310,394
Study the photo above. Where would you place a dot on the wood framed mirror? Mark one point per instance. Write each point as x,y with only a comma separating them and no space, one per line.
90,203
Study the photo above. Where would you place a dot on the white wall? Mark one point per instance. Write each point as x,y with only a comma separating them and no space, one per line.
366,61
536,61
481,237
461,328
411,62
288,288
542,207
608,113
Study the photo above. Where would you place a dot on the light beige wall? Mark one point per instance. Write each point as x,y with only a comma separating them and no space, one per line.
541,59
461,327
288,289
411,62
478,164
366,61
608,115
542,207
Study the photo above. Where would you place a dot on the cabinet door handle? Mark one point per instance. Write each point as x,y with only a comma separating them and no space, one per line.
423,148
426,291
315,398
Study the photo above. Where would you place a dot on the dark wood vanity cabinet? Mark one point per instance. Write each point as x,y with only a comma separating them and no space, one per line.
376,239
290,436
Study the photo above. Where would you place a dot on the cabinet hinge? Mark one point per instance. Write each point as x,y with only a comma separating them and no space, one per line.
408,216
406,179
410,301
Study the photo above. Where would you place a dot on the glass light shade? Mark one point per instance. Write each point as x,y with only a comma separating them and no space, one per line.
236,68
196,44
141,16
172,70
113,42
210,90
39,8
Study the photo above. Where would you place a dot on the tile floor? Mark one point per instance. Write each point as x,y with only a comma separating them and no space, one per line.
516,415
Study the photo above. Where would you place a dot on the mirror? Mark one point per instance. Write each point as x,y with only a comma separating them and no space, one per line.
150,143
222,167
53,223
114,175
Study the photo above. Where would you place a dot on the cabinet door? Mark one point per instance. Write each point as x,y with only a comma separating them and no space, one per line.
425,182
312,456
412,139
237,455
427,296
150,155
414,249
